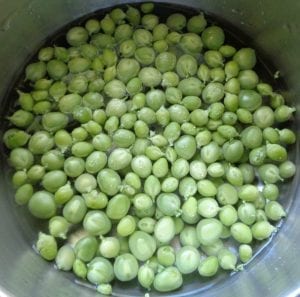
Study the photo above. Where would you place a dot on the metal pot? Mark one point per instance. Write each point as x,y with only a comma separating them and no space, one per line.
273,27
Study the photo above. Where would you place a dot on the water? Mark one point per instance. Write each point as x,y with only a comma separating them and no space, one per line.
235,37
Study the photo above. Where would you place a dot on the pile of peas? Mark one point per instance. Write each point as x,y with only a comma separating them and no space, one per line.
144,133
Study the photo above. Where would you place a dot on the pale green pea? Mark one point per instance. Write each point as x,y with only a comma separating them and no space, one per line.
109,181
245,252
188,237
96,222
248,193
270,192
262,230
168,204
142,166
58,227
269,173
85,183
141,129
126,267
154,152
63,194
146,224
187,259
75,210
118,206
208,267
169,184
160,168
41,205
210,153
228,215
180,168
142,245
23,194
241,232
65,258
206,188
189,211
142,201
187,187
227,194
227,259
152,186
274,211
109,247
80,268
100,271
126,226
158,140
234,176
209,231
146,276
168,280
208,207
95,199
46,246
164,230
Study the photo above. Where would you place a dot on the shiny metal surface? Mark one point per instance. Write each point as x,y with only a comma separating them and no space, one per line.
273,26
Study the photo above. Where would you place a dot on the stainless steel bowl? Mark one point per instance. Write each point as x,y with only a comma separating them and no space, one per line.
273,26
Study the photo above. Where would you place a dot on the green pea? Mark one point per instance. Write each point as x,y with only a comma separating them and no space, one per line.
188,237
42,205
287,169
46,246
227,194
208,231
210,152
19,178
247,213
228,215
208,207
100,271
287,136
274,211
63,194
241,232
191,86
168,204
180,168
189,212
234,176
146,276
187,259
168,280
170,79
246,58
75,210
141,165
262,230
269,173
126,267
58,227
245,252
65,258
23,194
227,259
185,147
109,181
206,188
57,69
169,184
209,266
21,118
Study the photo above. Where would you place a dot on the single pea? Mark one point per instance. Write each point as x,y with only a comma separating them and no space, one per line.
168,204
170,79
227,259
180,168
269,173
287,136
126,226
246,58
141,165
245,252
100,271
146,276
241,232
165,62
46,246
283,113
234,176
126,267
209,266
65,258
247,213
74,210
42,205
146,115
14,138
274,211
187,259
40,142
208,207
63,194
189,213
287,169
109,247
206,188
191,86
248,193
58,227
176,21
96,222
262,230
167,280
188,237
57,69
80,268
109,181
105,289
209,230
23,194
19,178
227,194
152,186
210,152
228,215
